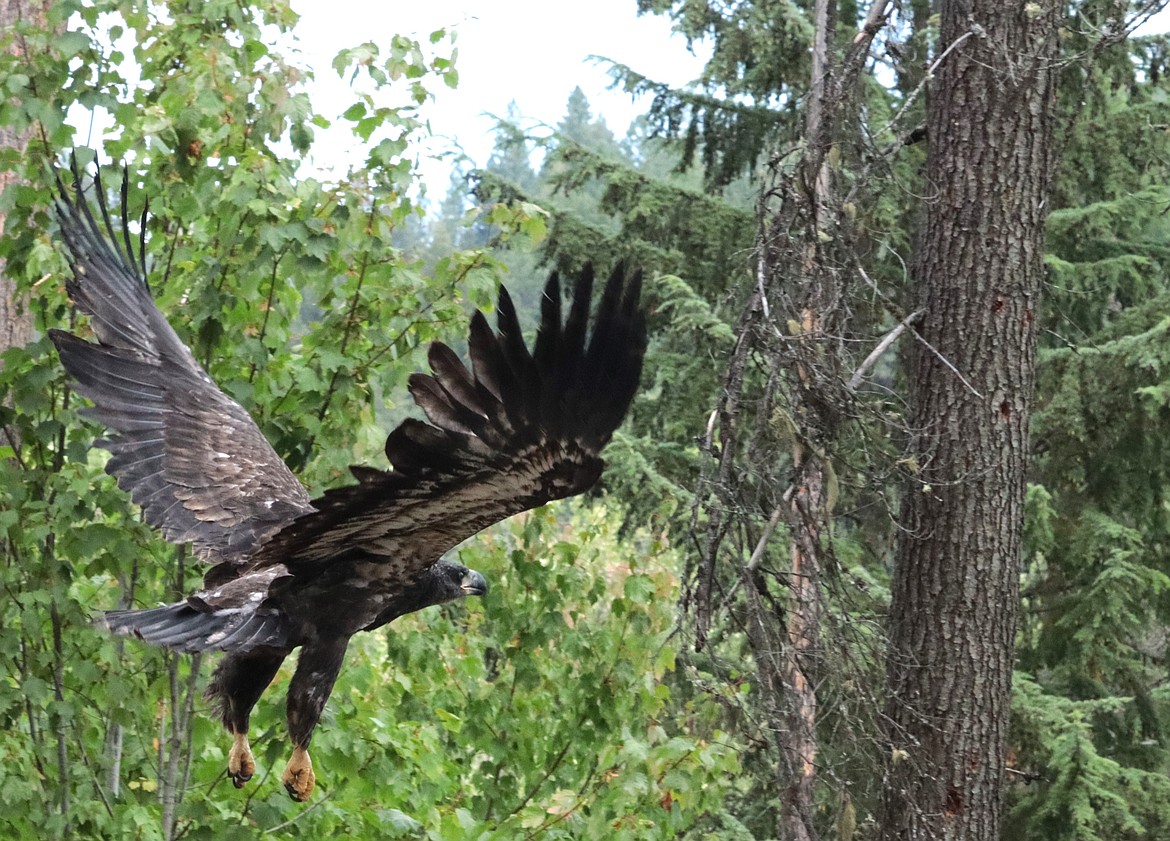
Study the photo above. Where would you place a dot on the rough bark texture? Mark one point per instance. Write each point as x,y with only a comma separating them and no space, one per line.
797,735
798,740
16,319
977,276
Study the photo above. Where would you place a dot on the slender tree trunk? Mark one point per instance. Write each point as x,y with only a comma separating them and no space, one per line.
174,749
798,737
60,725
977,277
16,319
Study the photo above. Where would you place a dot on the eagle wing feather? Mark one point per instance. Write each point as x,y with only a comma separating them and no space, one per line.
516,431
186,452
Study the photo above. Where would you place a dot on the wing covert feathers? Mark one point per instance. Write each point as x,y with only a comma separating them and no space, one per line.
185,451
514,431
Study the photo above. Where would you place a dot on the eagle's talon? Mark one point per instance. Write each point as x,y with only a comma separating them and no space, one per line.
299,780
241,763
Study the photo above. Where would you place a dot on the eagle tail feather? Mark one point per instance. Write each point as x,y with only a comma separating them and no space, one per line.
180,627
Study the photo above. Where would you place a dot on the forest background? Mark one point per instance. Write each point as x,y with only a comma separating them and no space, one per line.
705,648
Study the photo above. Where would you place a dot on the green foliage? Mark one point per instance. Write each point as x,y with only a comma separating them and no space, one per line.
749,100
580,127
1107,257
1090,712
1096,572
509,159
547,714
561,706
1069,789
728,136
669,204
599,204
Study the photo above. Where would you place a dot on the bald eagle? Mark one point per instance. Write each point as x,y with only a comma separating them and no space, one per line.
287,571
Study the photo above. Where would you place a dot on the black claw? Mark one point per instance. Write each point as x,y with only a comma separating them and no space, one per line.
294,794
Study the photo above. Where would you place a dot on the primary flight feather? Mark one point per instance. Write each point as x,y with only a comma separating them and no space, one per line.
516,430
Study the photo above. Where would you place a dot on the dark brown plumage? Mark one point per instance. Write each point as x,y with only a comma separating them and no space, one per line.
515,431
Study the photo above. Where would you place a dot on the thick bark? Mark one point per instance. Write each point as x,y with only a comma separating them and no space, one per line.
16,318
977,277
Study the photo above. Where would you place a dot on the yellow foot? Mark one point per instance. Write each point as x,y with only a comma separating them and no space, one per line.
298,776
241,764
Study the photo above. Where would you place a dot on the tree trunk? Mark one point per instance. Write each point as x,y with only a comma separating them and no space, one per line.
16,319
797,735
798,739
977,276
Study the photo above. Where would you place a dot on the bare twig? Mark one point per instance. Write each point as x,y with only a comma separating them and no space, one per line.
891,305
966,383
97,784
909,320
881,348
1120,30
283,825
914,94
853,62
59,695
709,436
762,544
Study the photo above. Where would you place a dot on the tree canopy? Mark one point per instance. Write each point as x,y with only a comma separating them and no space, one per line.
651,661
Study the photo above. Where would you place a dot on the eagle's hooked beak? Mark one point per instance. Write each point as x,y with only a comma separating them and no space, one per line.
474,584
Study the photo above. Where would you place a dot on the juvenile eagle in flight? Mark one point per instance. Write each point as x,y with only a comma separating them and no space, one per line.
515,431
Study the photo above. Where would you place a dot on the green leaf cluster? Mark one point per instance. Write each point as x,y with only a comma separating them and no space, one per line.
1089,739
546,713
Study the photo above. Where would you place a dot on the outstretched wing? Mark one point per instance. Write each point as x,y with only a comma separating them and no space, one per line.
185,451
518,430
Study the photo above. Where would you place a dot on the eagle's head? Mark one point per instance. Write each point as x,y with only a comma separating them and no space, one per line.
441,582
446,581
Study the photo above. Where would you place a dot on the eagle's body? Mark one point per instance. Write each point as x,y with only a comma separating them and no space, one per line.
517,430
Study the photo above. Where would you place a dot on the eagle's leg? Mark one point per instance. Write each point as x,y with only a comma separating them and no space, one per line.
237,684
316,673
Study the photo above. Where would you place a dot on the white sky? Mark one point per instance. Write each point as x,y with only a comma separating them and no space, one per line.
529,51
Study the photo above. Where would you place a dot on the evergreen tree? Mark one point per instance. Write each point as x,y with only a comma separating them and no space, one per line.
978,281
1090,727
510,158
579,125
1108,238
